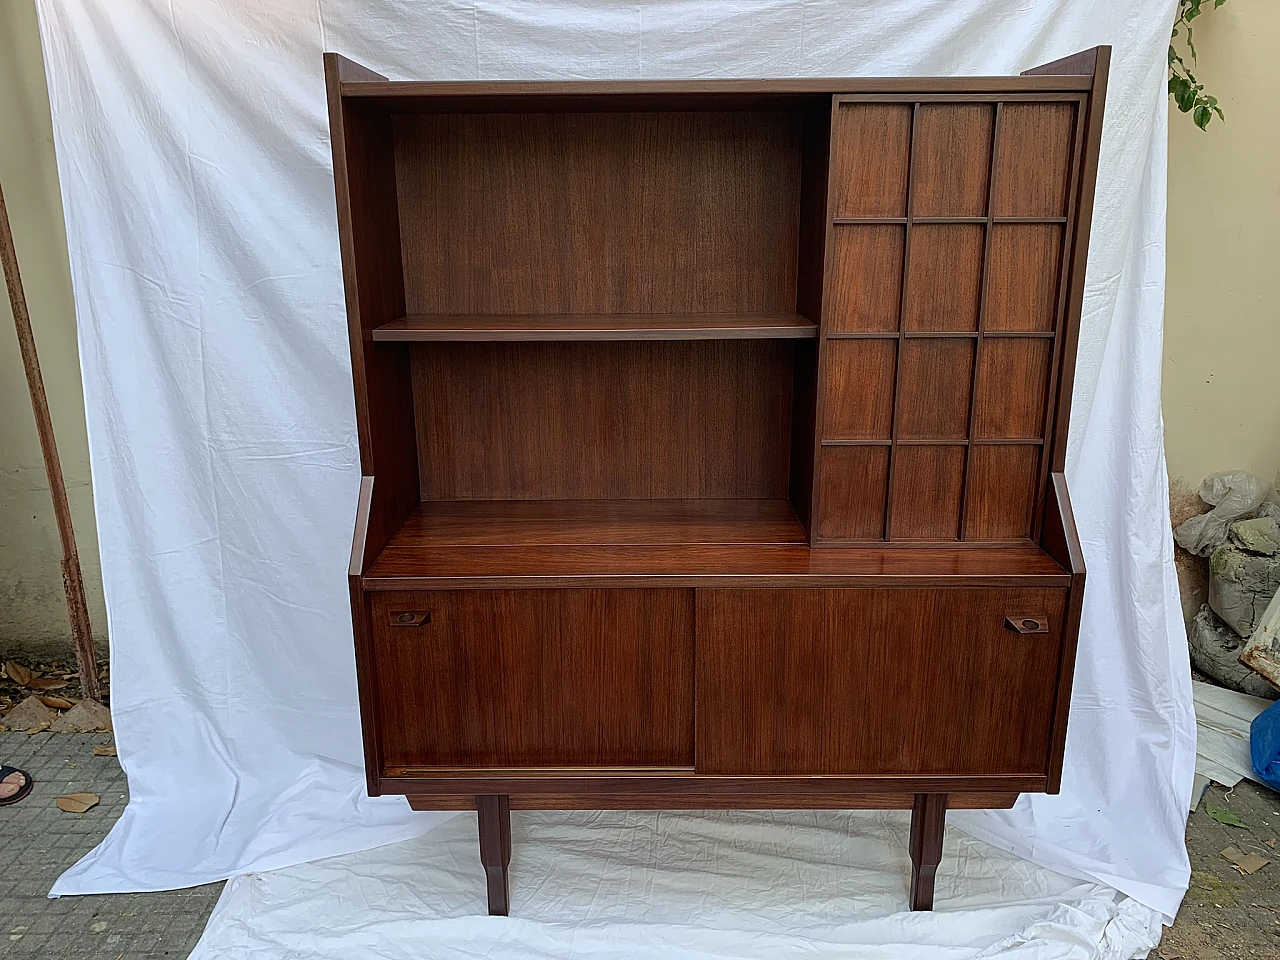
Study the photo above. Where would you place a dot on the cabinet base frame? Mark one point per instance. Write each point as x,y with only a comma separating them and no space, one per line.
494,817
928,822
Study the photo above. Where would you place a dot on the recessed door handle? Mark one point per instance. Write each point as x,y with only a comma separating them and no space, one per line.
410,618
1027,624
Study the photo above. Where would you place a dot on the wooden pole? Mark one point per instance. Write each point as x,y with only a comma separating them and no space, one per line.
72,581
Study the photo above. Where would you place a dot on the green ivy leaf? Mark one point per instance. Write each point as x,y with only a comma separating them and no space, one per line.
1184,94
1188,92
1224,816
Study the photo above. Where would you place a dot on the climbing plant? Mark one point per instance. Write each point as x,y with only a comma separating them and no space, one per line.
1188,92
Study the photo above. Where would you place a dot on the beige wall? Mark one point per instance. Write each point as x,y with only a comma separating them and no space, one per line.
1222,313
1222,341
33,611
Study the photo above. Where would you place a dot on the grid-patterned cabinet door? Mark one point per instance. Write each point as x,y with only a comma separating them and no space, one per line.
943,313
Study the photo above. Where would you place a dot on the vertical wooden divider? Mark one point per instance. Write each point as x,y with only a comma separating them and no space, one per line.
902,321
982,324
820,341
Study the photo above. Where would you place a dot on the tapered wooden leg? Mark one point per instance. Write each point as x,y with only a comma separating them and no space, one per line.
494,814
928,819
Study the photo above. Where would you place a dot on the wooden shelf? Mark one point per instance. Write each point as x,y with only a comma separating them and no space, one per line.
568,543
632,326
525,523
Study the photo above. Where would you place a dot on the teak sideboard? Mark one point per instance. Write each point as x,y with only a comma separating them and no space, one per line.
712,436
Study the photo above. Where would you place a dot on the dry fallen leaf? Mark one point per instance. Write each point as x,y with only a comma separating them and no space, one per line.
104,750
45,683
1246,863
18,673
57,703
77,802
37,729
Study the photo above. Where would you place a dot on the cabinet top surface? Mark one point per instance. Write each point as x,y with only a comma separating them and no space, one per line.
670,543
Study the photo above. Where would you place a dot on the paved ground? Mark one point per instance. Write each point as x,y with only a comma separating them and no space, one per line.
38,841
1225,916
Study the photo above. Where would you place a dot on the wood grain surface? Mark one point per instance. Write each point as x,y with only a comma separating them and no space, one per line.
691,565
785,364
599,213
642,326
571,421
880,681
537,678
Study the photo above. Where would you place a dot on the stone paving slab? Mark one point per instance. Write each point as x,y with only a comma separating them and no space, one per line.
38,841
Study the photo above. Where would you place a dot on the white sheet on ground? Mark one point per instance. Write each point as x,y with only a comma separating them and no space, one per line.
193,153
679,886
1222,732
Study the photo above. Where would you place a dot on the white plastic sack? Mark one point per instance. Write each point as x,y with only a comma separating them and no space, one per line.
1234,495
193,152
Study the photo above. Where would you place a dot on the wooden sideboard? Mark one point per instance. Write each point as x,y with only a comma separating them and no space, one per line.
712,436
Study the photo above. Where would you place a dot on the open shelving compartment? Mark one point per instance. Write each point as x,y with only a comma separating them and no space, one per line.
588,326
608,332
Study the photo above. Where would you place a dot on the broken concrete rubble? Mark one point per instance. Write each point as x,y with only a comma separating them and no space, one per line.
1241,537
1262,653
1259,535
1215,651
1241,584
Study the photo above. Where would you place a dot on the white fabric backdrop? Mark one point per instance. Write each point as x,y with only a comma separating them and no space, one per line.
193,151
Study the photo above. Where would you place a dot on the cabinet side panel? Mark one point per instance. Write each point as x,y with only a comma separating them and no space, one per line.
1086,180
1061,541
367,685
369,234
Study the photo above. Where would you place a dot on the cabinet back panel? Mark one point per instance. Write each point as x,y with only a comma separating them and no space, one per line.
645,420
599,212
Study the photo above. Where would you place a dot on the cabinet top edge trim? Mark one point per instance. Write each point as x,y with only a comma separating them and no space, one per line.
621,581
832,86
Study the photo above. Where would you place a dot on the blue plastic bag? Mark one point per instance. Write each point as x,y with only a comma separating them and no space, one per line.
1264,745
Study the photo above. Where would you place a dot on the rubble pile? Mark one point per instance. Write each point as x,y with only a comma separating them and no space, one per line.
1241,538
